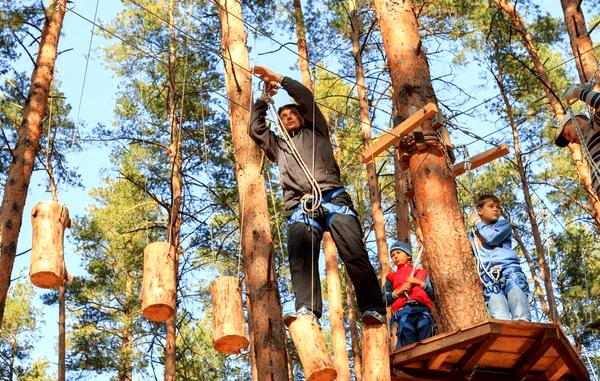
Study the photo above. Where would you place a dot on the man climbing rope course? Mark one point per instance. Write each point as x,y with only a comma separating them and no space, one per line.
314,198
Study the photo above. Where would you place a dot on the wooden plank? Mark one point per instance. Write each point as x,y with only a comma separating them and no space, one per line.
407,126
535,352
556,371
499,360
571,358
472,356
481,159
436,361
445,344
512,344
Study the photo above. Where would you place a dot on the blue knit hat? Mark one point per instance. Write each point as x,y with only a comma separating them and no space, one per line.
399,245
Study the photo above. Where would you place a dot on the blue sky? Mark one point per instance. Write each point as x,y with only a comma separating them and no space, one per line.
97,106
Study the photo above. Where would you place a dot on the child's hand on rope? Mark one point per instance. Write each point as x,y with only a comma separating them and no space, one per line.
267,75
473,219
416,281
402,289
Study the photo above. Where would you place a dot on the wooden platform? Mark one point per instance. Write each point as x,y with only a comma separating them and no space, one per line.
490,351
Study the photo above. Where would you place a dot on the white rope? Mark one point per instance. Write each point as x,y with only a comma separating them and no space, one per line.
310,202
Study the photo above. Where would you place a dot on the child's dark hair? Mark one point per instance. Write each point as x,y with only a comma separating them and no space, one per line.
484,197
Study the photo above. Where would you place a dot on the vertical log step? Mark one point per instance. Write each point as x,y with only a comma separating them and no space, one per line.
49,220
159,282
376,354
228,318
307,338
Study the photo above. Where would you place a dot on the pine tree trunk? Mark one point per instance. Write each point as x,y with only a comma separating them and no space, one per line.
28,143
125,361
256,240
581,164
11,360
365,122
581,42
458,291
401,201
535,229
175,221
336,309
61,332
354,338
302,47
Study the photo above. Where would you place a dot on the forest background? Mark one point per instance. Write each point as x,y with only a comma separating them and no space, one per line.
106,131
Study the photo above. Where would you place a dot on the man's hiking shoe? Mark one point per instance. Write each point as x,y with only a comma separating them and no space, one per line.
289,317
371,317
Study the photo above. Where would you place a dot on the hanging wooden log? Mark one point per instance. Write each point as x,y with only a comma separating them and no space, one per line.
228,319
49,220
376,354
307,338
159,282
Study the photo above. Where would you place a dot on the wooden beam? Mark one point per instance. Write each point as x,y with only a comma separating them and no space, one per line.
435,345
481,159
407,126
535,352
556,371
436,361
472,356
570,357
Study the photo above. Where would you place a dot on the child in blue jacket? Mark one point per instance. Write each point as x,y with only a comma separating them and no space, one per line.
504,283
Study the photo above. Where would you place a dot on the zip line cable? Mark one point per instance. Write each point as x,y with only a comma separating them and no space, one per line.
87,62
256,30
476,137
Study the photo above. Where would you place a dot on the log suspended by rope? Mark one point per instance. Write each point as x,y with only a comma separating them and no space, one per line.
307,338
47,267
480,159
228,335
159,282
407,126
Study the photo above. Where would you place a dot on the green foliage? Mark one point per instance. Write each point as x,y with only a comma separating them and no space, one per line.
19,331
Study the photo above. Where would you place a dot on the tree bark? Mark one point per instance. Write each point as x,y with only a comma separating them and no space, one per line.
365,122
581,42
458,291
354,338
255,228
535,230
125,360
27,147
175,220
581,164
336,309
61,332
302,46
401,201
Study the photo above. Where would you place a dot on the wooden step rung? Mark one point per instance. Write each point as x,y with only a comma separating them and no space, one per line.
407,126
481,159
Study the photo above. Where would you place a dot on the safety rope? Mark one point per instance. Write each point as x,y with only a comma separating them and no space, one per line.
310,202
